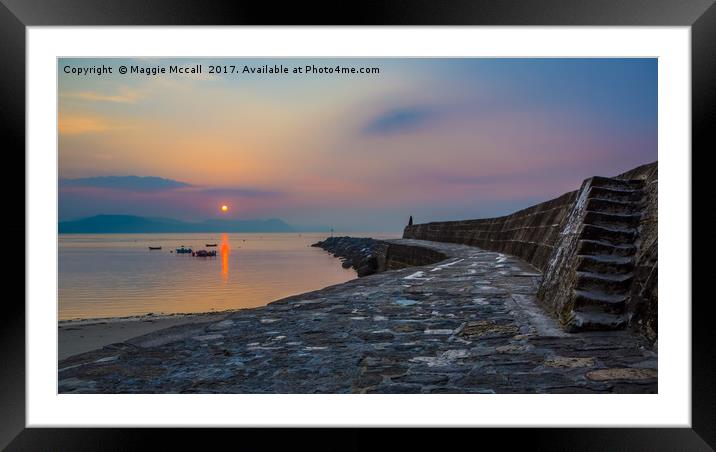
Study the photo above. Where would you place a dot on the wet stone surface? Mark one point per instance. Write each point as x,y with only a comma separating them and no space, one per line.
468,324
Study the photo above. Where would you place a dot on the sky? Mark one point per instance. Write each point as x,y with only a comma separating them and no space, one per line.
438,139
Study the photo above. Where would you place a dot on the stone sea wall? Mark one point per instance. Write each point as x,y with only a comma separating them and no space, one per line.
401,256
368,256
529,233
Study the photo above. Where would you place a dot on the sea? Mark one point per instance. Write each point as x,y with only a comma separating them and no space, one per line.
117,275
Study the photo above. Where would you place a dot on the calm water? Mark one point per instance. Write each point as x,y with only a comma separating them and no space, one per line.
110,275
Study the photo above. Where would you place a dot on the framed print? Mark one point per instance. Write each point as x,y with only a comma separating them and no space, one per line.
370,221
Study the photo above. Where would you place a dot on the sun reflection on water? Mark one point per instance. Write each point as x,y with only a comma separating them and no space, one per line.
225,250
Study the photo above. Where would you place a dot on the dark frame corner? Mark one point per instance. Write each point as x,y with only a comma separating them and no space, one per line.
16,15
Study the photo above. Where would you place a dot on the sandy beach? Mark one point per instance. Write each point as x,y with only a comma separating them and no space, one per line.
79,336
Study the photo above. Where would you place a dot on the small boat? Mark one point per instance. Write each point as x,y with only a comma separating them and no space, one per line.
204,253
183,250
155,247
211,244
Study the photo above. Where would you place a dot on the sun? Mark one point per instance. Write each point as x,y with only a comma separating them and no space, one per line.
224,208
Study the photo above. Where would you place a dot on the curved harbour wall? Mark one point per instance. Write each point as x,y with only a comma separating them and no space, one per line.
529,233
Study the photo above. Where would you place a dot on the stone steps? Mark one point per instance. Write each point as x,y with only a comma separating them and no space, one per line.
605,250
595,321
599,301
616,194
614,235
618,184
610,206
606,219
605,263
606,282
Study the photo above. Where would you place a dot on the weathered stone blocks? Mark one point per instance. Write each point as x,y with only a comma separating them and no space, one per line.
368,256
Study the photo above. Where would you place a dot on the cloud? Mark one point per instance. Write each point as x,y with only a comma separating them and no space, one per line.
160,184
399,120
128,183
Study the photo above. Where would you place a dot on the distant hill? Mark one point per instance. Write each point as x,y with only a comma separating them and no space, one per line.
107,224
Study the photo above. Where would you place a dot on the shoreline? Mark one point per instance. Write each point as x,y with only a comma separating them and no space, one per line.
76,336
139,317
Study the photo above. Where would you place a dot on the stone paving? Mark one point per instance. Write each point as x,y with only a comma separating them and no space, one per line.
468,324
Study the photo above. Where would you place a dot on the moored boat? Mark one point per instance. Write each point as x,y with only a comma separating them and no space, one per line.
211,244
155,247
204,253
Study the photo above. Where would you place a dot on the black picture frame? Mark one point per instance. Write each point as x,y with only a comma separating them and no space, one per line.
16,15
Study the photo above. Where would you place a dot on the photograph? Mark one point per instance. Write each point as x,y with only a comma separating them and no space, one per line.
357,225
